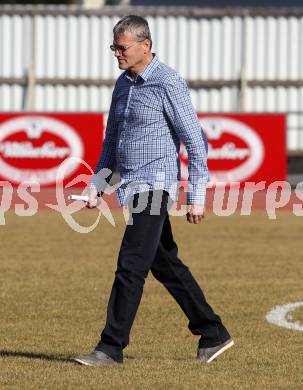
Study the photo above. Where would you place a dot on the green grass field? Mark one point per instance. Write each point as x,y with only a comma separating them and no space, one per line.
55,284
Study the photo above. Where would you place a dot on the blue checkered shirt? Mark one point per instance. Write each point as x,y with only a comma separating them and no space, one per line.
148,118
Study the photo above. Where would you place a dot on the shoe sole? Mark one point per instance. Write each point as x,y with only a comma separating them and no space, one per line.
83,362
223,349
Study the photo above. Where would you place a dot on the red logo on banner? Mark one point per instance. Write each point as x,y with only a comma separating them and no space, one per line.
243,148
32,146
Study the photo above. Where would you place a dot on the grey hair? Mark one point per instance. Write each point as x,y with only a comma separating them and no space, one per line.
137,25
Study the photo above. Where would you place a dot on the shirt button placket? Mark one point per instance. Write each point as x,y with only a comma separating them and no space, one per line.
127,104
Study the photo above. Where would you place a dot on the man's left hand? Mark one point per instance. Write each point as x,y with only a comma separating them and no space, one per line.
195,213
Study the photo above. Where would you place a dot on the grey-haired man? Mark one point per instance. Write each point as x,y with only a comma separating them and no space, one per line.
151,112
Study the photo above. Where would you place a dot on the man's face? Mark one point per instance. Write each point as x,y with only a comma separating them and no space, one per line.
135,53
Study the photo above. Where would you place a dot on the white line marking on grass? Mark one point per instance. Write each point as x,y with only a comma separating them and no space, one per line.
282,316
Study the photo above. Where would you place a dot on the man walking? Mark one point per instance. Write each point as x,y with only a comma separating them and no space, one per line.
150,113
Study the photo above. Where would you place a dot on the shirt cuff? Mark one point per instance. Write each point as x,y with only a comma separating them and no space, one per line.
196,193
99,181
196,198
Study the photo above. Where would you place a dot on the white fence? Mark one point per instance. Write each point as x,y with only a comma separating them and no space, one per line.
58,58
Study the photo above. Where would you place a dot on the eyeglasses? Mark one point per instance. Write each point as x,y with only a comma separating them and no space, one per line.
121,48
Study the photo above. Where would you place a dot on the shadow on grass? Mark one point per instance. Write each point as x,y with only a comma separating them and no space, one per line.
32,355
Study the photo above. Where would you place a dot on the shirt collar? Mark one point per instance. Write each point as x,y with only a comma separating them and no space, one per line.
147,71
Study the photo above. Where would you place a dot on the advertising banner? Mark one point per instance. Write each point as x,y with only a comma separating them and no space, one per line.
243,148
33,145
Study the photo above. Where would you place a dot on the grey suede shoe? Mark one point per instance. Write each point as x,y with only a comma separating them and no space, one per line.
209,354
95,358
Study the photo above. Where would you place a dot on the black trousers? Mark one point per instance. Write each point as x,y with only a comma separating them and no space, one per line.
148,244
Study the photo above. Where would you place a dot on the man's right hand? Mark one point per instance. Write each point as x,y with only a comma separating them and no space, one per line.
92,194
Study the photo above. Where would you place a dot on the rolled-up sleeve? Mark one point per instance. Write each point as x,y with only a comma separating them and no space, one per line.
181,114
